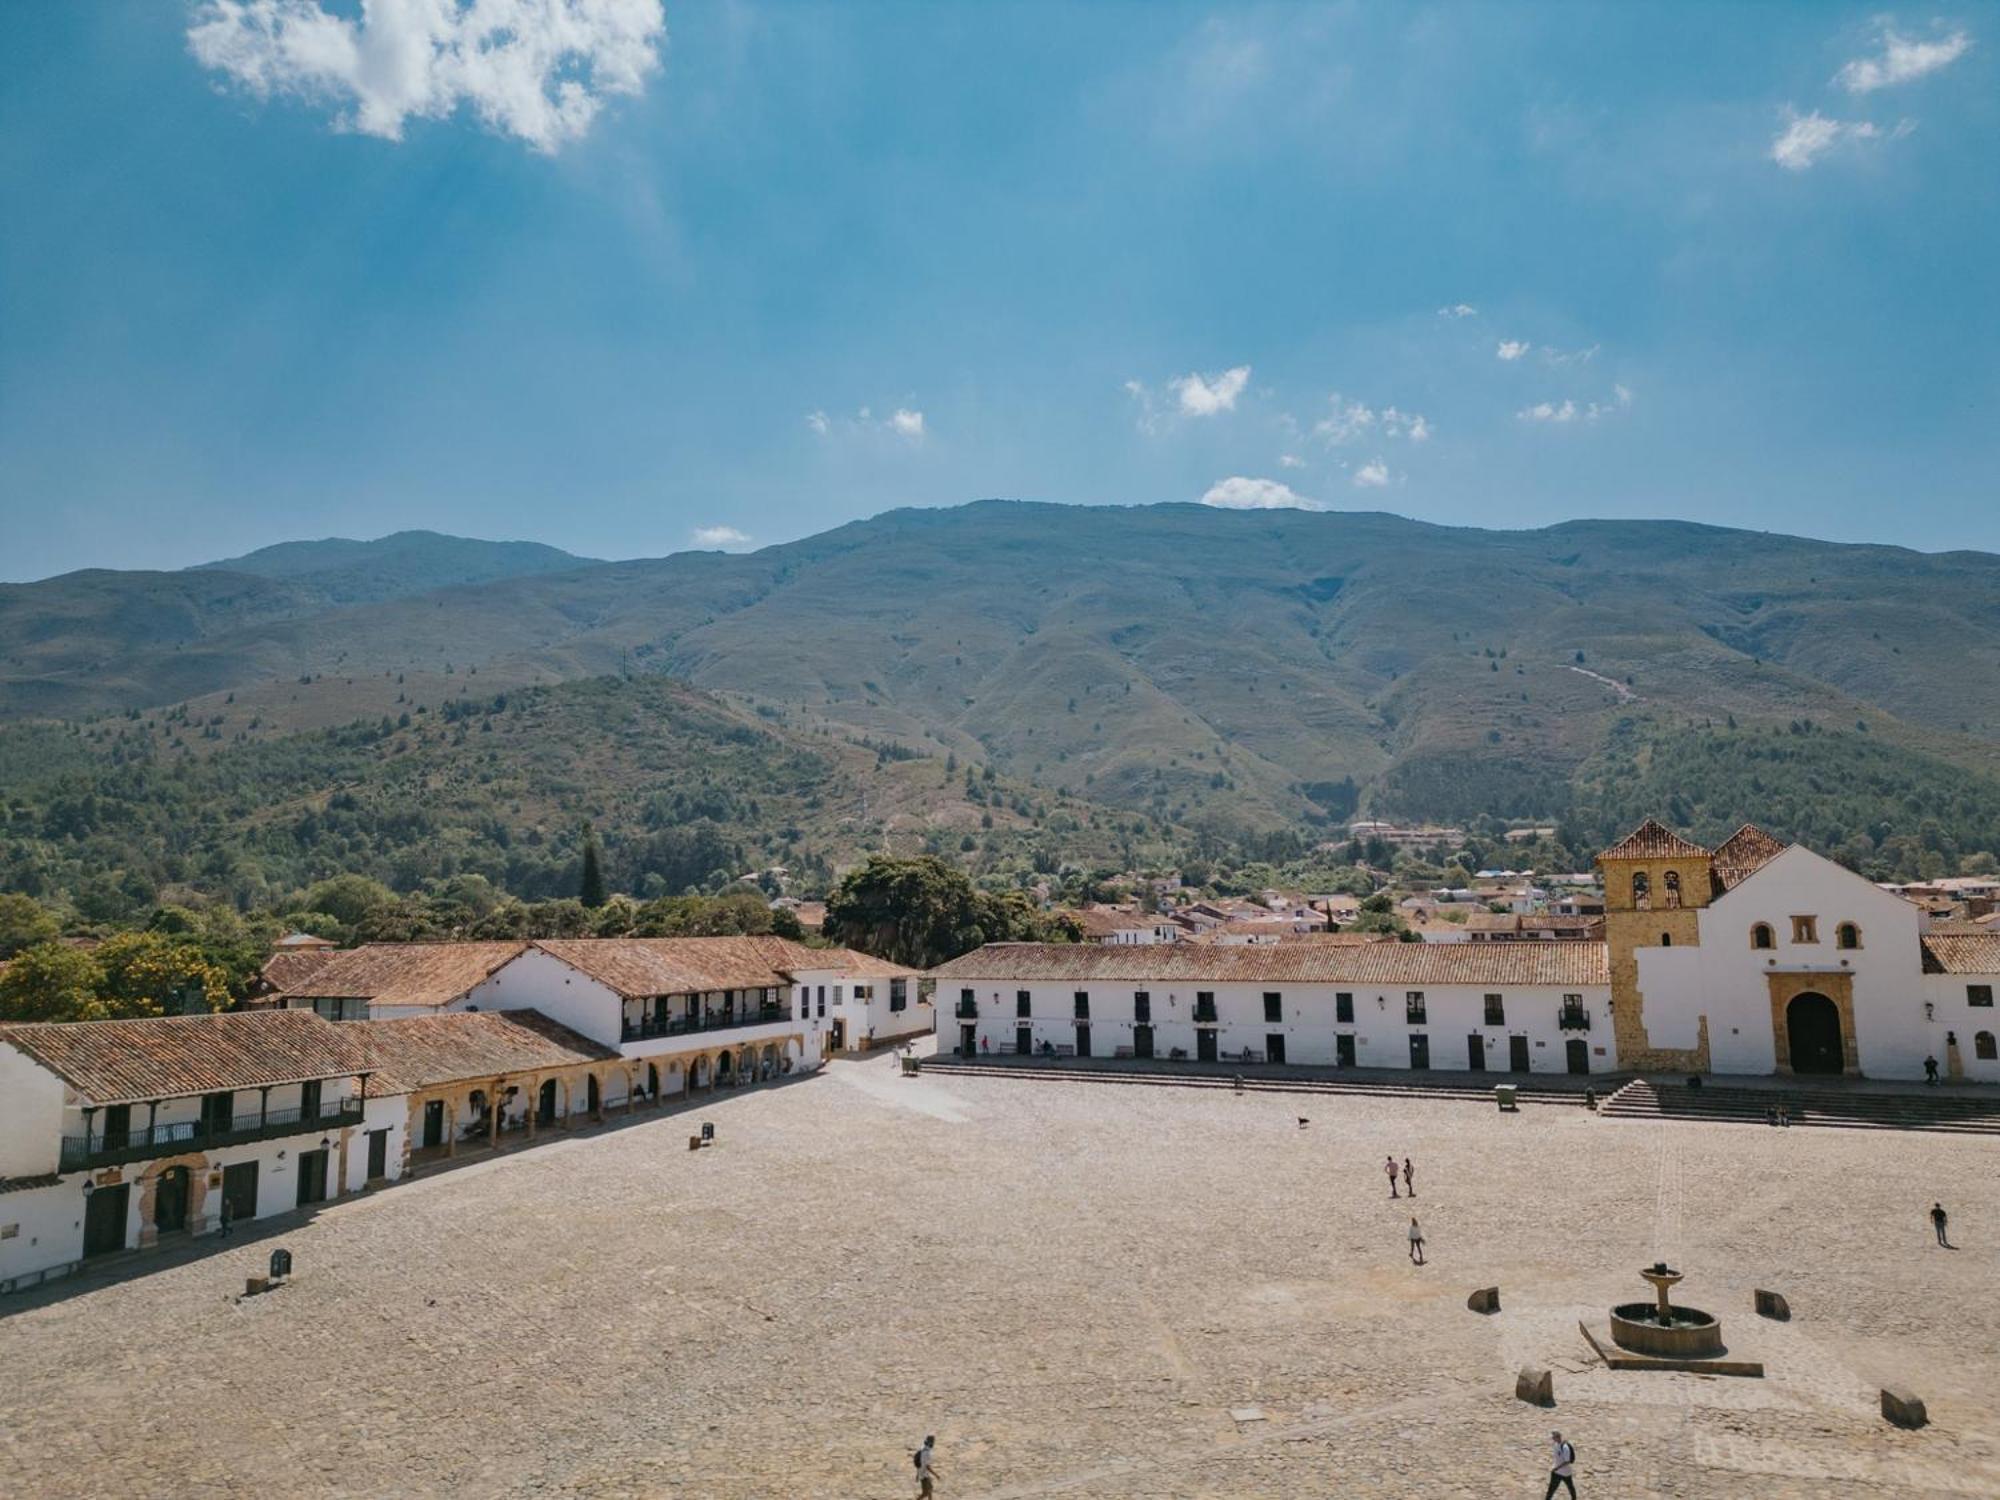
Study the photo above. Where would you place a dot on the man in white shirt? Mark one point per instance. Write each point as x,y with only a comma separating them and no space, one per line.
926,1474
1562,1460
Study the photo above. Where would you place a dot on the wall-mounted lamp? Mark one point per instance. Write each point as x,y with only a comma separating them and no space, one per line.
89,1187
1930,1011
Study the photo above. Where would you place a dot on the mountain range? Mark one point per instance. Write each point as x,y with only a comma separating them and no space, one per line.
1207,668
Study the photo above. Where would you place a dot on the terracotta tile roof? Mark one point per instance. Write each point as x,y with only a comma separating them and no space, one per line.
1337,939
1744,853
1652,840
1100,924
167,1057
637,967
422,1051
282,971
23,1184
404,973
1410,965
1962,953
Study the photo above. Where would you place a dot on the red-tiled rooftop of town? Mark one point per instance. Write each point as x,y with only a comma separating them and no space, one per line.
1411,965
167,1057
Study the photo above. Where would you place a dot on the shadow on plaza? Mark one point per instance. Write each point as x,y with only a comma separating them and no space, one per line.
271,1229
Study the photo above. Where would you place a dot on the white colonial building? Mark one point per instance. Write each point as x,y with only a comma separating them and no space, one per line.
115,1135
1754,957
1501,1007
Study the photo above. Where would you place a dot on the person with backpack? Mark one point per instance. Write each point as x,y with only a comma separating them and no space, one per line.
926,1473
1562,1466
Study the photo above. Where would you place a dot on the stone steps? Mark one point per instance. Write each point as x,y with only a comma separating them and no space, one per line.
1642,1099
1263,1083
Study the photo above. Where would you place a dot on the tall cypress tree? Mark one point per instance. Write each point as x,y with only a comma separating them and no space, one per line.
590,890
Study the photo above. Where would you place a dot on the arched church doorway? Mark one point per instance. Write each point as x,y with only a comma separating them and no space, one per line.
1812,1028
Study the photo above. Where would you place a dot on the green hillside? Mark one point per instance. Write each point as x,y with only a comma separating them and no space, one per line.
1230,671
393,567
684,789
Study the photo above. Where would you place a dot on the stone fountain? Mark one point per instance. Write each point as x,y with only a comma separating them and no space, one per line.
1661,1330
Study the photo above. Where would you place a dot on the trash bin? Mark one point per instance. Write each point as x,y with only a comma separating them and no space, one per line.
1503,1095
909,1066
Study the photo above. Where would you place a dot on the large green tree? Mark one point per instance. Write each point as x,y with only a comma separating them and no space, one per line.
23,923
52,982
923,912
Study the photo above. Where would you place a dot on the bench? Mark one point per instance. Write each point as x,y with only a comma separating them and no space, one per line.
1123,1052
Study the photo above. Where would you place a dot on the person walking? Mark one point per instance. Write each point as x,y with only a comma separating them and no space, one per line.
1938,1220
227,1215
927,1473
1390,1167
1930,1071
1416,1242
1562,1467
1409,1178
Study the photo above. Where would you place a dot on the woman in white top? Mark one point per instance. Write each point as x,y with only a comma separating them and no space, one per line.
1416,1242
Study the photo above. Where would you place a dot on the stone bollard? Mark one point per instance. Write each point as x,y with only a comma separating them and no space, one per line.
1485,1300
1902,1408
1772,1305
694,1143
255,1285
1537,1386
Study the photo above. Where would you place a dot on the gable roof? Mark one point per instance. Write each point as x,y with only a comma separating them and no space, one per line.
638,967
422,1051
433,974
1652,839
1962,953
1412,965
1743,853
169,1057
283,971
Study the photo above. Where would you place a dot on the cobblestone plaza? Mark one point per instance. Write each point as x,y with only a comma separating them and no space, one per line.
1083,1290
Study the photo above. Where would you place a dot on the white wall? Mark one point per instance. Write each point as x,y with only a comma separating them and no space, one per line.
47,1229
31,1116
1307,1021
1724,977
1953,1015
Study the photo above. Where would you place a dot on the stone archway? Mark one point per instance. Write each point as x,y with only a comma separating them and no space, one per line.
1813,1034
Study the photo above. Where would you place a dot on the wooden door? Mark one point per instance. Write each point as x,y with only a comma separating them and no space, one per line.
1420,1051
170,1201
312,1177
1024,1039
378,1155
1475,1052
1517,1054
104,1219
1082,1039
1343,1050
1578,1052
968,1039
1274,1047
1204,1044
1142,1041
239,1189
434,1123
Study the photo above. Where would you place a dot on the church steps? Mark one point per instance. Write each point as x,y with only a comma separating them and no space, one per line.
1642,1099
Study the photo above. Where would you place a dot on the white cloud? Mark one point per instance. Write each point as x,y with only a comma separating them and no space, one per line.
1344,422
1512,349
817,421
906,423
718,536
1204,396
1239,493
1372,475
1902,60
1548,411
1291,461
1349,421
538,70
1568,410
1806,138
1458,310
1405,424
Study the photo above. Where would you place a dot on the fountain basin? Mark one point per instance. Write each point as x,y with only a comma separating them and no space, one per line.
1691,1333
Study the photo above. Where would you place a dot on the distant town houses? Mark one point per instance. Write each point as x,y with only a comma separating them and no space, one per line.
1752,957
359,1066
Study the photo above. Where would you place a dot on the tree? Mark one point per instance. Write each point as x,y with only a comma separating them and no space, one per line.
52,982
347,898
23,924
590,889
152,974
922,912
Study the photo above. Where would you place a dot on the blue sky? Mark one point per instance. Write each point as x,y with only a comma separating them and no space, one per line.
271,270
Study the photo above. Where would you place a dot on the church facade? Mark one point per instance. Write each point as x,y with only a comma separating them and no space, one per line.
1760,957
